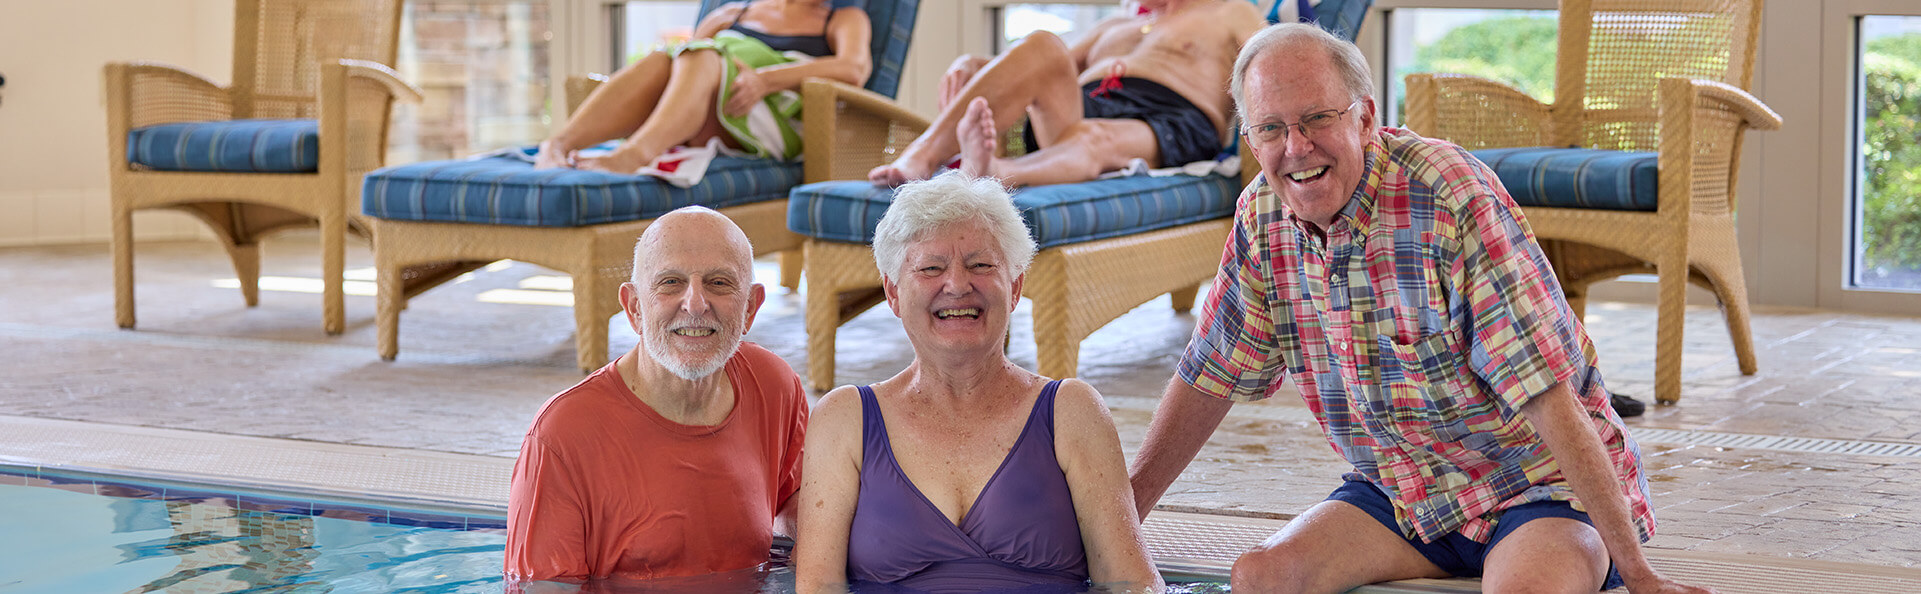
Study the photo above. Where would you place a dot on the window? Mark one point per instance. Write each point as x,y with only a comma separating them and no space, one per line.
1886,206
1016,21
482,68
1512,46
648,25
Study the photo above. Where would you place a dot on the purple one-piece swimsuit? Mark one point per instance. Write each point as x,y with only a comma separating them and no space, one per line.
1021,535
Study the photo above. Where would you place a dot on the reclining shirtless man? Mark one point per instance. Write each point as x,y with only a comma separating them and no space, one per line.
1151,86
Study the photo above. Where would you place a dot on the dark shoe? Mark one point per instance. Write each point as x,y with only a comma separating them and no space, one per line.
1625,406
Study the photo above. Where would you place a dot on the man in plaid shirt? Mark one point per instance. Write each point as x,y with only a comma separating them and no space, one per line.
1393,279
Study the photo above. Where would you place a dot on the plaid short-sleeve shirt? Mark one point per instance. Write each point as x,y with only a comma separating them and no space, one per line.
1415,329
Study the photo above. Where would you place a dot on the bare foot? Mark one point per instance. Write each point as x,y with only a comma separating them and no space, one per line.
977,139
899,172
553,155
621,161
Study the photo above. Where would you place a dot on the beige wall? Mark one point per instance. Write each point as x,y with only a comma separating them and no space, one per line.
53,168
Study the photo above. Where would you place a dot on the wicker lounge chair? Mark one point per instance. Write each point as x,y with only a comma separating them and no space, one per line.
283,146
428,230
1147,236
1651,95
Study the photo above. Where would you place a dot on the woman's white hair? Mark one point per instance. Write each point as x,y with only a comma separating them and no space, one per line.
1347,59
924,206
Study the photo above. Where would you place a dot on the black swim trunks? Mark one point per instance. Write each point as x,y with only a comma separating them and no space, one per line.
1184,134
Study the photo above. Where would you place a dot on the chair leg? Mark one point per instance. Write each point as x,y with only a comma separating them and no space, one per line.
123,267
1670,321
790,269
246,268
590,323
1056,352
333,269
1184,299
1732,291
823,322
392,298
1576,301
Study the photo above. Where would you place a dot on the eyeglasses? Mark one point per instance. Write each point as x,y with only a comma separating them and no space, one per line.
1276,132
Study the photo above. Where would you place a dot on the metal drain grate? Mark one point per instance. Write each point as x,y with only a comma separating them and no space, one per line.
1813,445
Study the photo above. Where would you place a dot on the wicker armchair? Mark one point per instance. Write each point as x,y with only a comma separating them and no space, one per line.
1666,78
295,61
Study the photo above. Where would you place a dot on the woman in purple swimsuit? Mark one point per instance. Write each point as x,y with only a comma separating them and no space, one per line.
964,473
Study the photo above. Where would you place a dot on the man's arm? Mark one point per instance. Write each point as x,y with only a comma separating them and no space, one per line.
1083,46
1182,423
1569,435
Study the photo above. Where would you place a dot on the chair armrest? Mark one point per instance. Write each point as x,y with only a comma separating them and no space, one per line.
386,79
579,86
1476,112
1722,96
1702,124
147,93
356,106
847,130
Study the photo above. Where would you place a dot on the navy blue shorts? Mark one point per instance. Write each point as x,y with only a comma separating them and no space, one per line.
1182,132
1459,555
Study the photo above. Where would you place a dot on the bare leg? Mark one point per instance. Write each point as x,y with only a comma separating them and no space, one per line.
1036,76
686,108
1080,153
1332,548
1543,556
614,110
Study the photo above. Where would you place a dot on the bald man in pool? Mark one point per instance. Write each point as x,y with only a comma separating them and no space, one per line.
682,456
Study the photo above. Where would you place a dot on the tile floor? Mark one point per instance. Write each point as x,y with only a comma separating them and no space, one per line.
478,357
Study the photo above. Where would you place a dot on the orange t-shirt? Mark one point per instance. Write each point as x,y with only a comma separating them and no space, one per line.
605,486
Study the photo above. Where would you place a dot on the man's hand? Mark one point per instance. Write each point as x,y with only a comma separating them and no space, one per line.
749,89
958,75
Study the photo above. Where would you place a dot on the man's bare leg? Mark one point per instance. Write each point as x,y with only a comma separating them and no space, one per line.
614,110
1539,557
686,107
1037,76
1333,547
1080,153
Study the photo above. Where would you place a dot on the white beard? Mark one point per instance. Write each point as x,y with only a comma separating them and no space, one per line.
677,363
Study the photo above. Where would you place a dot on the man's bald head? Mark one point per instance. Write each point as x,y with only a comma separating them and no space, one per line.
694,230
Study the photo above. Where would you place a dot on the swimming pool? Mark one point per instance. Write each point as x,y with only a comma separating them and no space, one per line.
67,531
75,532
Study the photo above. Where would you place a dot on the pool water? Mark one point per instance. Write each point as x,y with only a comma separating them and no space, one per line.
65,532
68,533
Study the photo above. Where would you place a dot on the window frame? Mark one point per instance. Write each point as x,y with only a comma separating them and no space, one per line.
1841,110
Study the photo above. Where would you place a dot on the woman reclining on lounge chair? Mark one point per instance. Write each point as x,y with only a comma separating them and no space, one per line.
737,80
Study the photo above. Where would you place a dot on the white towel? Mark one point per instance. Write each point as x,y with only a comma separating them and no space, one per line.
1229,166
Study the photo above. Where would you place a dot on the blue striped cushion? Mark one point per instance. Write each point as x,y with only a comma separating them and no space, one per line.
505,190
1056,215
238,146
1576,178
